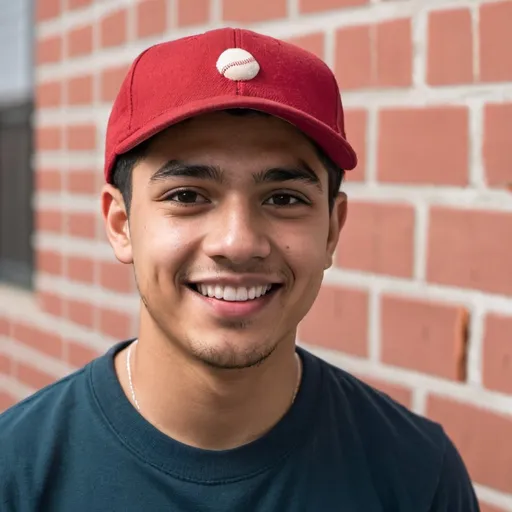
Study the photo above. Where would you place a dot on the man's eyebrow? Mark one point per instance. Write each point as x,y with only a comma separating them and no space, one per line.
300,172
179,169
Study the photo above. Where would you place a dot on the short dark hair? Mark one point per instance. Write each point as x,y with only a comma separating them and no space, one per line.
125,163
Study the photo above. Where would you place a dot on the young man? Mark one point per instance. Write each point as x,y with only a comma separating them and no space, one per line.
224,158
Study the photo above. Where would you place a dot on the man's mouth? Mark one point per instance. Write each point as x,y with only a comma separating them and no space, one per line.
234,293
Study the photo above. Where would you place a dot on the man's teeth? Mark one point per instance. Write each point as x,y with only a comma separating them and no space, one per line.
231,293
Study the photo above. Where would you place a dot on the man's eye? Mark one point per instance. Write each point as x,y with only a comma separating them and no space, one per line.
186,197
284,200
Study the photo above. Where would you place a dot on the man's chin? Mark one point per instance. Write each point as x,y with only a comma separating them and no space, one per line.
231,358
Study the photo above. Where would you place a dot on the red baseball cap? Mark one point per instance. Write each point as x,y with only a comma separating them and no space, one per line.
223,69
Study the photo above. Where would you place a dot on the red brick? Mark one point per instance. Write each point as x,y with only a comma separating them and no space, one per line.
193,13
79,354
78,4
80,269
82,182
81,137
49,94
423,146
484,507
80,41
5,364
313,43
355,128
497,354
116,277
482,437
497,150
470,249
47,9
394,53
49,50
450,47
81,313
113,29
424,336
5,327
151,17
378,238
251,12
49,262
353,62
45,342
6,400
49,220
338,320
48,180
34,377
111,79
306,6
401,394
48,138
50,303
495,41
81,225
115,324
80,90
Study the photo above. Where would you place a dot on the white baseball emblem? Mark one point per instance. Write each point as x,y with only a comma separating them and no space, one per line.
237,64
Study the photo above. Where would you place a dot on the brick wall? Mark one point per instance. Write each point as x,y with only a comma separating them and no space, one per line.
420,300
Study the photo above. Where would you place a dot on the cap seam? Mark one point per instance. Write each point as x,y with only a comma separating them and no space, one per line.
237,44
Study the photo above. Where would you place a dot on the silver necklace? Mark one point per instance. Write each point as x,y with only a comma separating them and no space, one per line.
129,370
132,389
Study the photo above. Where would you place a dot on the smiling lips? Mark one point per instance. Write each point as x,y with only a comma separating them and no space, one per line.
233,293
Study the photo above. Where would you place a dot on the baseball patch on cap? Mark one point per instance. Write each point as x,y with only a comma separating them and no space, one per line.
237,64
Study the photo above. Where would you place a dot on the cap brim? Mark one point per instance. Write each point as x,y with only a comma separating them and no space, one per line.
336,147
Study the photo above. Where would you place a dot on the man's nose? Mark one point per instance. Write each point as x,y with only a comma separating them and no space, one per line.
237,232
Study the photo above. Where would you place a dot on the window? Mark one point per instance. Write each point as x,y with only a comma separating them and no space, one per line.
16,224
16,177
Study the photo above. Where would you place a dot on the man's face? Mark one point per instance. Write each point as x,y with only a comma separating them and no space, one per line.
229,235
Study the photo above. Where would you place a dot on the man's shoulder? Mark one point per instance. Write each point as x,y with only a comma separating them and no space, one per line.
38,415
37,433
407,454
59,403
411,459
377,412
388,431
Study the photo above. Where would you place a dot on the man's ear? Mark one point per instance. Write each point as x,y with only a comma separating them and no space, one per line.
117,227
336,223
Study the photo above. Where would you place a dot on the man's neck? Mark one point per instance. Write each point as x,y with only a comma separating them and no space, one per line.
206,407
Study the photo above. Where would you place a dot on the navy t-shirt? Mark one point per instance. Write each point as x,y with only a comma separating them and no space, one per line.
79,446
